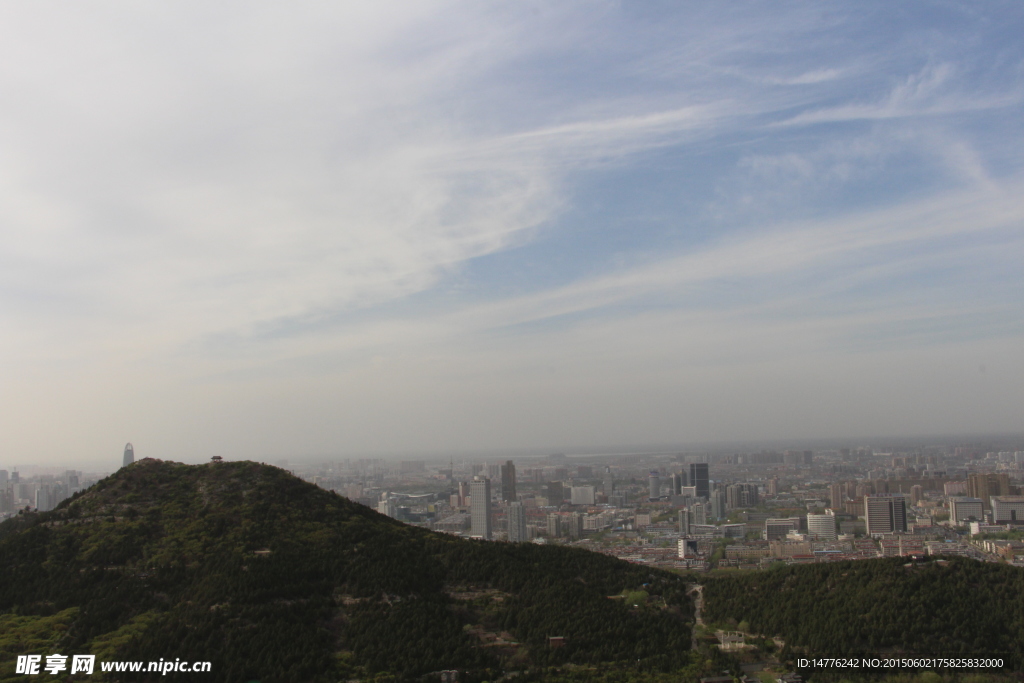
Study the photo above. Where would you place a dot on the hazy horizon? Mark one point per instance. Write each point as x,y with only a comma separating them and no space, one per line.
251,230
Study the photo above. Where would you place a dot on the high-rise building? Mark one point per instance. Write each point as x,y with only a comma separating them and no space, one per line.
771,487
885,513
609,481
463,493
654,484
129,455
556,493
984,486
836,496
516,522
698,514
963,509
718,506
575,522
916,494
684,522
554,525
3,477
821,527
44,499
699,479
480,507
508,481
677,484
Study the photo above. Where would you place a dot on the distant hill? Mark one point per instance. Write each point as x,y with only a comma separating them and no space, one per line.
273,579
953,607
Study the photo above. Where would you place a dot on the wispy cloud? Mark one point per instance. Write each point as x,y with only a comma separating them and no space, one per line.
315,196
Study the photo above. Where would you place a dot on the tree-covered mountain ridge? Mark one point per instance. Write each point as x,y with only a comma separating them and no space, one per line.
950,607
274,579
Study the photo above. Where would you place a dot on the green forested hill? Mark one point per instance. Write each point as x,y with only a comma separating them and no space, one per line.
159,561
954,607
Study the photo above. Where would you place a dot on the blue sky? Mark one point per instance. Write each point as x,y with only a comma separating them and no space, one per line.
268,231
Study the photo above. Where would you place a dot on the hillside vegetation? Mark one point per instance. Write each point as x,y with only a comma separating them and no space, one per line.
273,579
953,607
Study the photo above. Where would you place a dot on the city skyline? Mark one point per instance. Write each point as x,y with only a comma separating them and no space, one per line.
327,231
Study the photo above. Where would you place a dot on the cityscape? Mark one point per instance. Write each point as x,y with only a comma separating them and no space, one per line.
512,342
684,511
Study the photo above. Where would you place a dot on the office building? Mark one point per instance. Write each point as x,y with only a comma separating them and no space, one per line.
677,484
654,484
129,455
508,481
777,528
3,477
699,479
1008,509
609,481
480,508
885,513
516,523
963,510
582,495
556,493
822,527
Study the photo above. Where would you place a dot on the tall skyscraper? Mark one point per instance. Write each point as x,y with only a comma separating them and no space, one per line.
516,522
480,508
885,513
508,481
129,455
699,479
677,484
654,482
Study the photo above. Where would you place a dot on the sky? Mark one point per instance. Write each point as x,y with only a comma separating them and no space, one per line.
267,230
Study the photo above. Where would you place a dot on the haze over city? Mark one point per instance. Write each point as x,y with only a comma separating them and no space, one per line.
267,231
